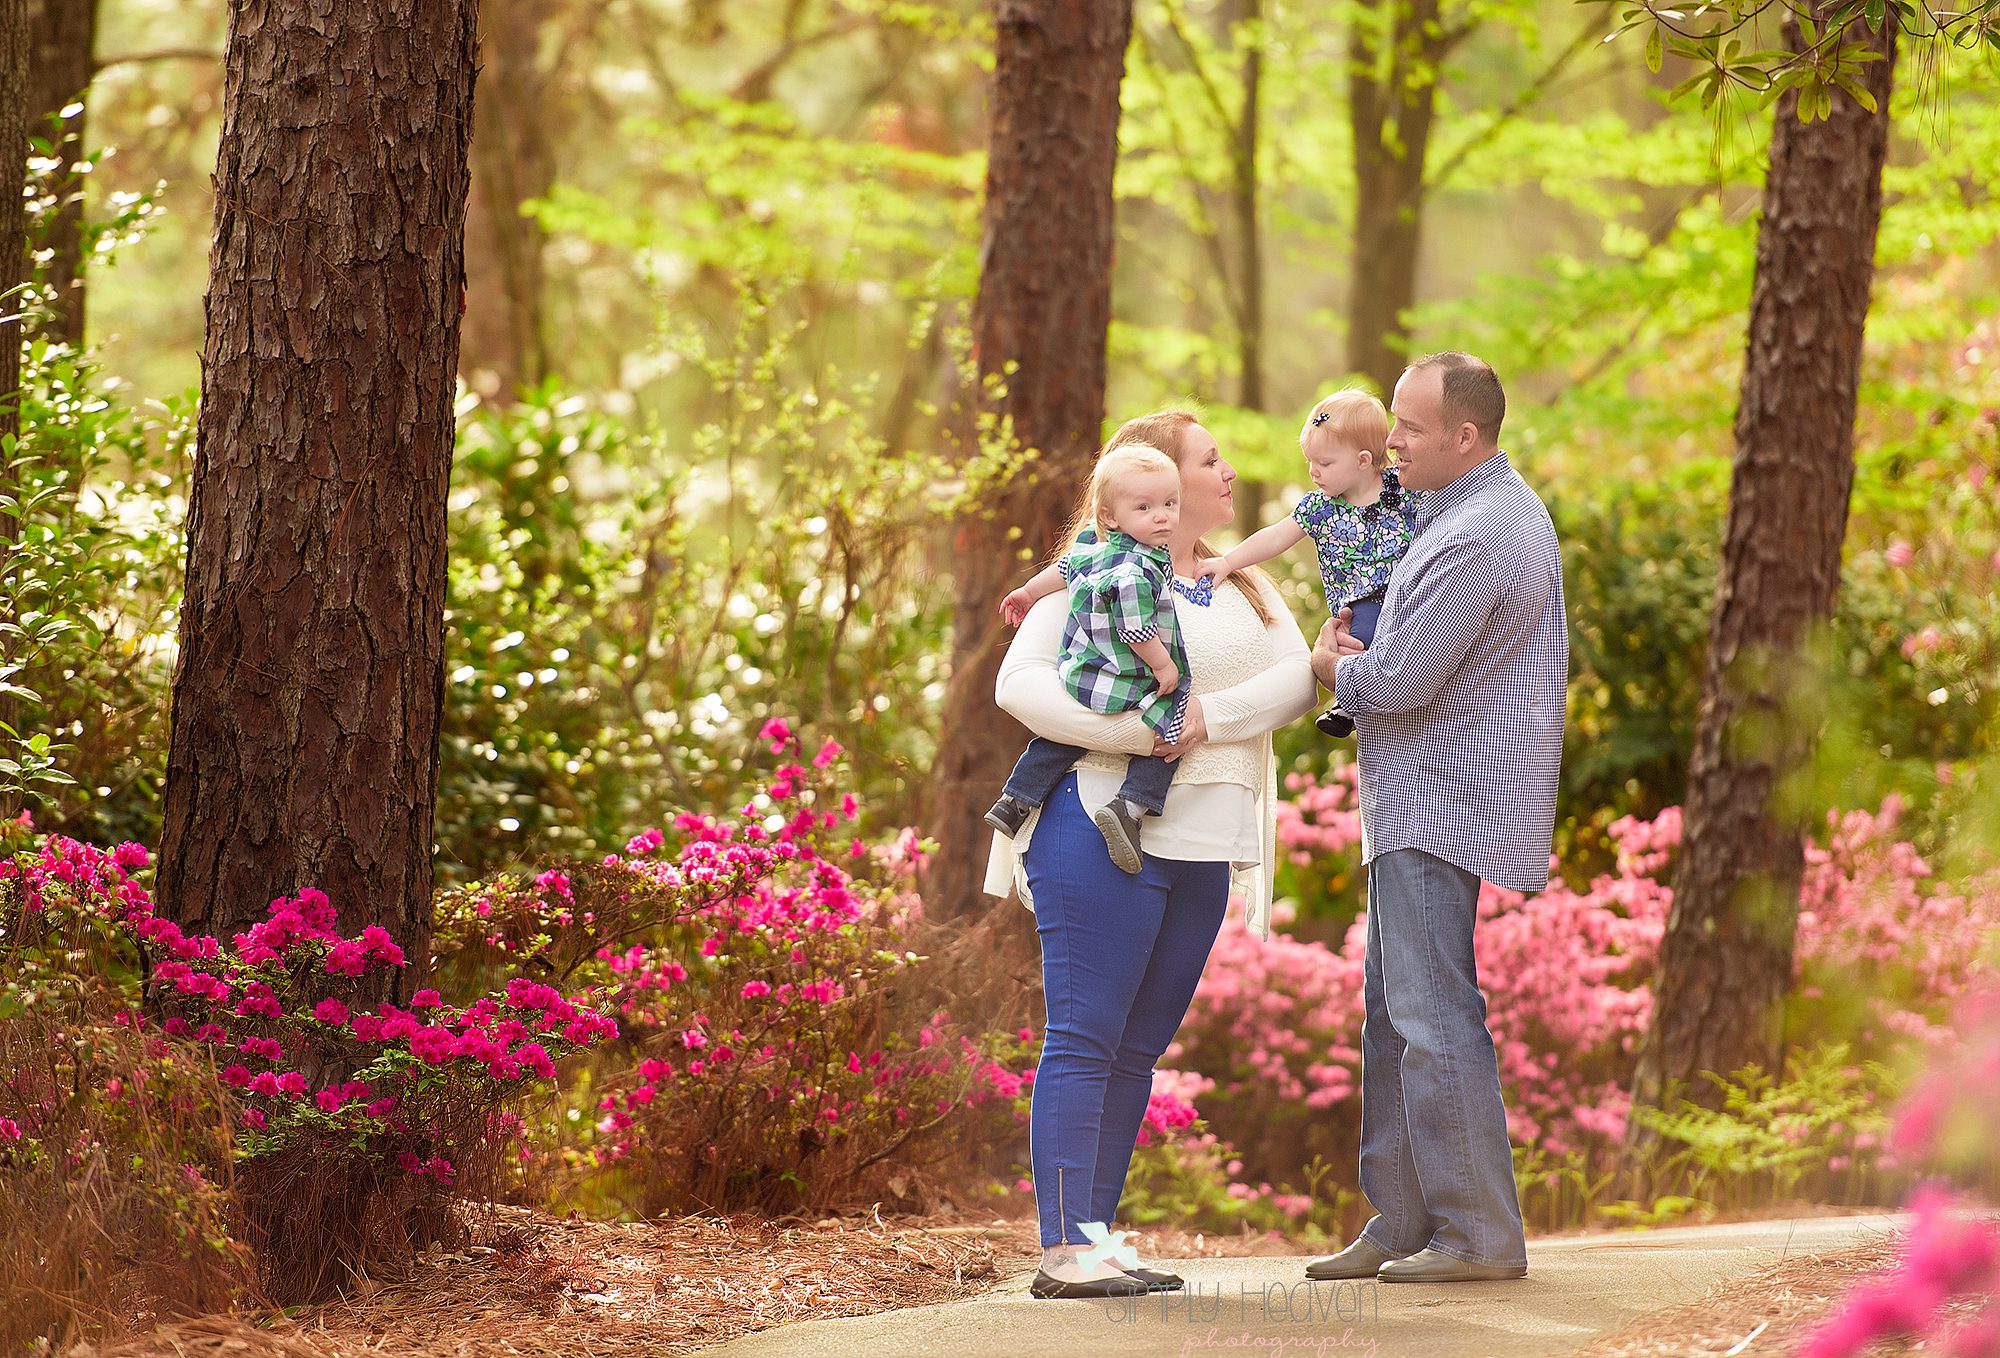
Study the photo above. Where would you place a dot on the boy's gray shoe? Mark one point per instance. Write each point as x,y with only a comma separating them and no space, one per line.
1008,816
1120,829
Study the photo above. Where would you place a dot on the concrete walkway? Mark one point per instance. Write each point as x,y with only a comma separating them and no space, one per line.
1577,1288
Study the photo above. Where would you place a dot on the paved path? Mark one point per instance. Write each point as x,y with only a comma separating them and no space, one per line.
1577,1288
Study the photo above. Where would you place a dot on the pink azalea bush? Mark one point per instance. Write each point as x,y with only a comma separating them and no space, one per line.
1944,1290
349,1123
1277,1025
781,1030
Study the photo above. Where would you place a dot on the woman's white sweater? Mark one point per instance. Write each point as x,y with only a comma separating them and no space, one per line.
1250,678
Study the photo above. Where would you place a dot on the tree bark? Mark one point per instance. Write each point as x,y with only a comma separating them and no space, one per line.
1044,303
307,694
1726,961
60,70
15,112
505,344
1250,254
1392,99
14,41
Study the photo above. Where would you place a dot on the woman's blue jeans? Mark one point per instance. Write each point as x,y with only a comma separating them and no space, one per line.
1121,956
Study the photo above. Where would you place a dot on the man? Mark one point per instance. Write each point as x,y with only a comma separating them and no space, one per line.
1458,708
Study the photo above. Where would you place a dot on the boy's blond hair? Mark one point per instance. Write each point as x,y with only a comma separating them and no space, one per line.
1355,418
1113,463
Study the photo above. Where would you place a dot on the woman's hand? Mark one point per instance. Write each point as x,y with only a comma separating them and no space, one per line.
1194,731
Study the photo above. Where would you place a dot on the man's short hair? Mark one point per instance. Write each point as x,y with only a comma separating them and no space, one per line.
1472,392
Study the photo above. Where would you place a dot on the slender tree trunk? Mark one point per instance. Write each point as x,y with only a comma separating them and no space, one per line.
1726,961
505,344
1395,50
1044,303
15,113
60,70
14,40
306,698
1250,253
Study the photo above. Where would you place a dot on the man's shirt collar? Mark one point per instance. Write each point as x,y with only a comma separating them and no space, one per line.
1463,489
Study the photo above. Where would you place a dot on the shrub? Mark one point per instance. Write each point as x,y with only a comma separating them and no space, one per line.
782,1034
355,1131
115,1151
1277,1025
1944,1290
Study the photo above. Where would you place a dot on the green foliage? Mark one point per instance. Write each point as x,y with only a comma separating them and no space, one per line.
1721,40
1778,1139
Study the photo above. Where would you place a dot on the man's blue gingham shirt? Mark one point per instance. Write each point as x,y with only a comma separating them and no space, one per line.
1458,704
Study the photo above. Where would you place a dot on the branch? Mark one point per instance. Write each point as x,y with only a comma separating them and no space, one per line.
1535,89
158,54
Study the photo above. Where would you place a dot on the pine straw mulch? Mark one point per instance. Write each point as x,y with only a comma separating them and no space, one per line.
1766,1313
536,1285
591,1289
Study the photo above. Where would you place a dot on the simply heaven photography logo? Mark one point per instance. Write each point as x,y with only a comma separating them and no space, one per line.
1316,1304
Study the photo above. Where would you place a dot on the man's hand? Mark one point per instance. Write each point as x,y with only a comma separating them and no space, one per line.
1016,605
1194,731
1334,642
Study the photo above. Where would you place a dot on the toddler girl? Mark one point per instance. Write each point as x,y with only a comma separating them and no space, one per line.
1358,516
1121,648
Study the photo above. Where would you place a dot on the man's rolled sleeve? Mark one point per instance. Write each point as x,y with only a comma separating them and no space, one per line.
1438,616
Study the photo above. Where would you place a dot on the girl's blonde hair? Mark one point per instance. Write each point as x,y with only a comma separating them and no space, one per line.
1354,417
1165,432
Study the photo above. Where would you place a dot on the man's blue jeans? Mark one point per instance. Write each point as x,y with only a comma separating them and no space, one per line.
1435,1162
1121,956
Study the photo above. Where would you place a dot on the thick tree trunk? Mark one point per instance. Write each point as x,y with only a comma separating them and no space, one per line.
1044,303
307,694
1392,99
60,70
1726,961
505,345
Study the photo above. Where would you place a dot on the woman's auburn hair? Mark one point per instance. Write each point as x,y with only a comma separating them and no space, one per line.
1166,430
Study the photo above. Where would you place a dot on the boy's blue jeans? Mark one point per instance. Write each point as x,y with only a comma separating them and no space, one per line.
1435,1161
1121,956
1045,763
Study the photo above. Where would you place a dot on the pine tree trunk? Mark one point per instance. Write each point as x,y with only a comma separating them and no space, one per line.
1250,495
1392,99
1726,961
15,112
60,70
1044,303
14,40
307,694
505,346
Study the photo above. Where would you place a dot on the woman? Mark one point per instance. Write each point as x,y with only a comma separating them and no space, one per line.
1122,953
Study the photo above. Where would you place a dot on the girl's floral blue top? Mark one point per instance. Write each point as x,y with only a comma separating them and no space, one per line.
1358,547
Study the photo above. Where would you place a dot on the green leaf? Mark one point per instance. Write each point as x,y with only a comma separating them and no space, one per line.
1655,52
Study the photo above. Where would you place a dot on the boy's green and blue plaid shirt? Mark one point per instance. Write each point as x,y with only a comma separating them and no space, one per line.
1119,594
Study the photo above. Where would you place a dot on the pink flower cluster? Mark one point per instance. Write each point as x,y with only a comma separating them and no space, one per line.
260,1005
1948,1255
1277,1025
